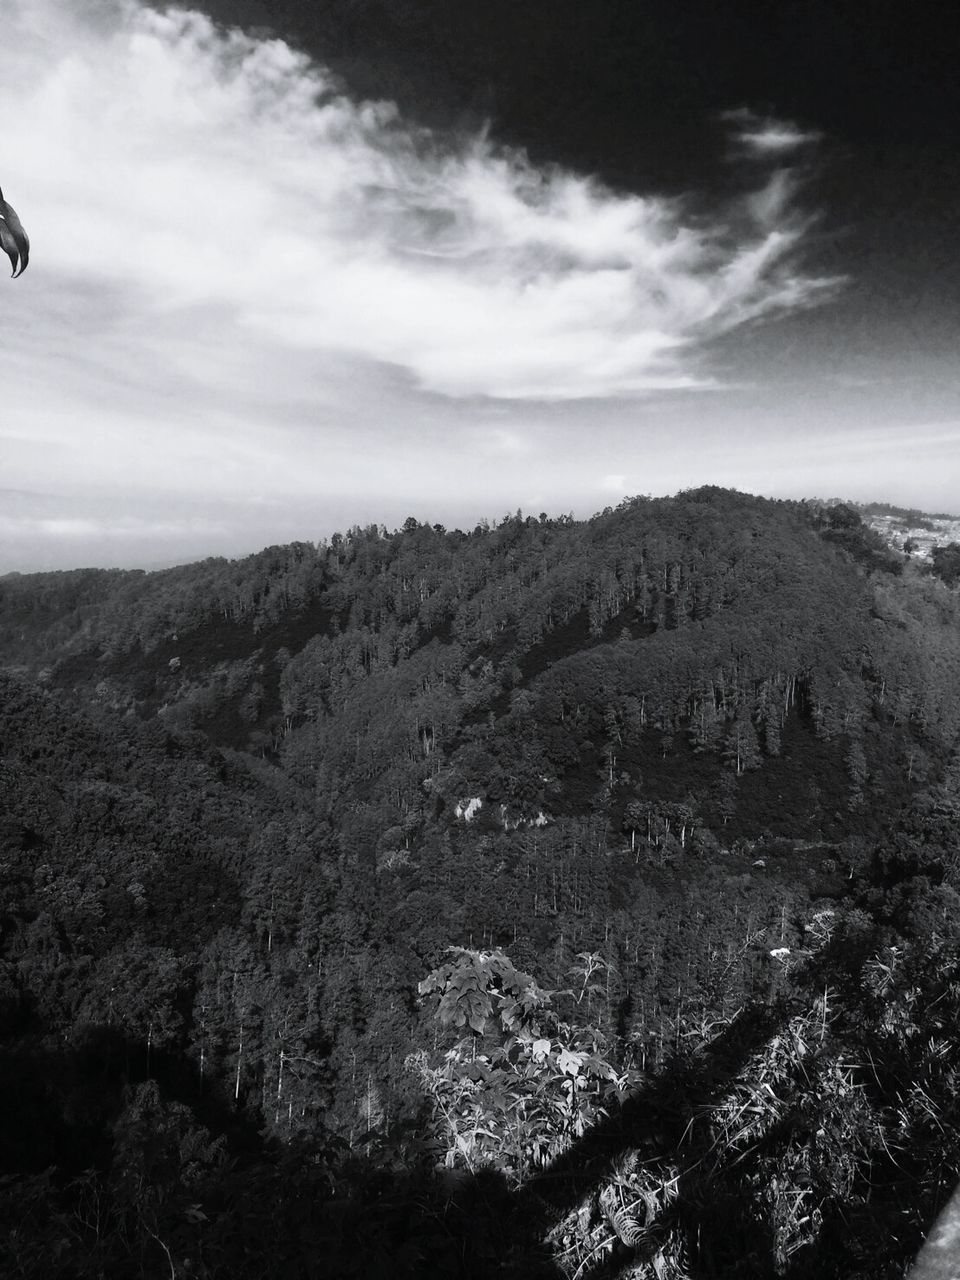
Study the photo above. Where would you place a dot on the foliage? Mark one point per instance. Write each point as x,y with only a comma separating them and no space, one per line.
664,803
519,1101
945,563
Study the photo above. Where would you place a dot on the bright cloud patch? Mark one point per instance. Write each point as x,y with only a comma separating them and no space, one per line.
173,167
764,137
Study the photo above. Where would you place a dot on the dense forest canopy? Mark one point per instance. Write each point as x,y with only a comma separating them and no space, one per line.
547,898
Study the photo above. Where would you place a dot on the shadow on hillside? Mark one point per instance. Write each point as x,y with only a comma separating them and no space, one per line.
655,1122
105,1172
722,1229
178,1190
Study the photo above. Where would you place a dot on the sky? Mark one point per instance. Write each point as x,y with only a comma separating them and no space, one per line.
297,267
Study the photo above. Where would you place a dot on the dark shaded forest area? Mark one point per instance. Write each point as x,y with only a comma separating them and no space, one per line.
556,898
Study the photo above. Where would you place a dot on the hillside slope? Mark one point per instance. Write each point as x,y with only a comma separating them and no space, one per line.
247,806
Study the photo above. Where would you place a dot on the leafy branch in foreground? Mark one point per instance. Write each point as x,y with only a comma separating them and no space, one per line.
523,1083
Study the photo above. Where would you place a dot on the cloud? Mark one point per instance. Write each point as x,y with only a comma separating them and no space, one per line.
764,136
177,176
40,530
123,529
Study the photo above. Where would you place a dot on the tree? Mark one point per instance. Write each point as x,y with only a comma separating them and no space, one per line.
524,1083
856,762
945,563
140,989
160,1157
636,817
742,747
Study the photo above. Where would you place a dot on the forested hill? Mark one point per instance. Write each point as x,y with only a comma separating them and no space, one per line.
666,762
712,649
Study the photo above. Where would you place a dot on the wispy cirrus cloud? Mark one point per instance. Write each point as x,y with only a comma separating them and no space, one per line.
173,169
